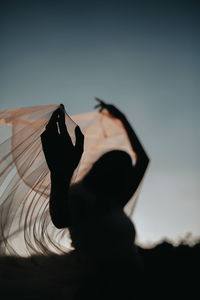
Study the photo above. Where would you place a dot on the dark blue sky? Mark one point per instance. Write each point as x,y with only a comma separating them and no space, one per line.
142,56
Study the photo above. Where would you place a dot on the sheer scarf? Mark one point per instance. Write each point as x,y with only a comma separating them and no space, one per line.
25,223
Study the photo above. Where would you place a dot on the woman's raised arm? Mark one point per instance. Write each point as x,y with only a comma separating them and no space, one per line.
62,158
142,159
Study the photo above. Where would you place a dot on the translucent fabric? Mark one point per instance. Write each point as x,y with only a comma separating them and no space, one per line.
25,223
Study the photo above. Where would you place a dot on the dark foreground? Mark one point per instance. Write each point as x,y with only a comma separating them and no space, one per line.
168,272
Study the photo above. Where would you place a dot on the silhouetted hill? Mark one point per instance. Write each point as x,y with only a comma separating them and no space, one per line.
172,269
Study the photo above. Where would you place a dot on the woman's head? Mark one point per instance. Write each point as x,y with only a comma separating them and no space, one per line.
112,175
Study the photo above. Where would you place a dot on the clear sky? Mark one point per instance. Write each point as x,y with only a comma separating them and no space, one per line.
142,56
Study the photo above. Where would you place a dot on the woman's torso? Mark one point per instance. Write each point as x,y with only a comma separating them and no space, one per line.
97,232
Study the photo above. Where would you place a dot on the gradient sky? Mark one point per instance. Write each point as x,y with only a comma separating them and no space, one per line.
142,56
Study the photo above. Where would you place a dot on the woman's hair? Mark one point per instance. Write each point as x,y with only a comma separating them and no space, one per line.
113,175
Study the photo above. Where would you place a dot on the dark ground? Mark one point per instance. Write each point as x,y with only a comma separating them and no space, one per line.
169,272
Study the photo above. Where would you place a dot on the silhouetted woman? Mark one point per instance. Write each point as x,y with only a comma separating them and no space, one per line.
102,234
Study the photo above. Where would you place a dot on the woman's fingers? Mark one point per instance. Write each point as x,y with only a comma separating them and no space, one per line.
62,106
54,117
101,105
52,124
97,106
61,122
63,129
57,119
100,101
79,140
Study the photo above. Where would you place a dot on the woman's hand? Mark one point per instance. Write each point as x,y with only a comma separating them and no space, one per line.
116,113
61,155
